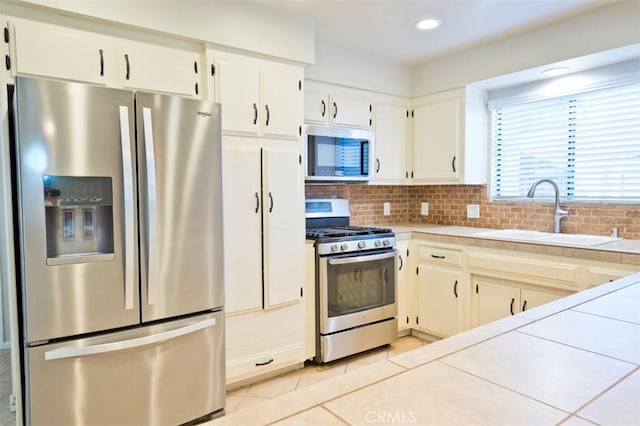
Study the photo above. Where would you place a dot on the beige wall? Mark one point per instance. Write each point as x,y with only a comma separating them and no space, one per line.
448,206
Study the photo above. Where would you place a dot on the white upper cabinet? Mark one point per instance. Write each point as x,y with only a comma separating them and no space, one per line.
391,140
323,108
157,68
259,97
450,138
57,52
68,54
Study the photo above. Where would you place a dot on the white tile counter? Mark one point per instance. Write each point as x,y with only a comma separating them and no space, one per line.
575,360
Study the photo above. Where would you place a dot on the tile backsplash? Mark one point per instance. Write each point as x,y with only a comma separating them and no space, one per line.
448,206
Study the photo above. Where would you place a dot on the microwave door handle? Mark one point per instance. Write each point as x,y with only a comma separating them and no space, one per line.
152,208
127,180
75,352
356,259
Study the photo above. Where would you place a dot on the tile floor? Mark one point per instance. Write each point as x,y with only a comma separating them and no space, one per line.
247,397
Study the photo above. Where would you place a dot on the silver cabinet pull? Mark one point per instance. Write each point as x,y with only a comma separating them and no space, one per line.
152,208
63,353
127,180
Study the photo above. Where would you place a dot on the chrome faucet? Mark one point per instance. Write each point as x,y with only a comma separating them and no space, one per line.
558,213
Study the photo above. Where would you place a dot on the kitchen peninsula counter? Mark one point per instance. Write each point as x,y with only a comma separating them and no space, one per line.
570,361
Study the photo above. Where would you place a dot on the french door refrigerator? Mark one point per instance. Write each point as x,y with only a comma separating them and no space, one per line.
118,204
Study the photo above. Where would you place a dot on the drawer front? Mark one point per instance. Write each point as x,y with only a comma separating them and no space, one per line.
440,255
254,364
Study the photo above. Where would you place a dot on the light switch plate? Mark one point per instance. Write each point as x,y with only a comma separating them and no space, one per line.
387,209
424,209
473,211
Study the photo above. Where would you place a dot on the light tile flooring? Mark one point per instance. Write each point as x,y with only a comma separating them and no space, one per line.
246,397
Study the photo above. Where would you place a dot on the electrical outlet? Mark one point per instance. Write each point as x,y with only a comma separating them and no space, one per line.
387,209
473,211
424,209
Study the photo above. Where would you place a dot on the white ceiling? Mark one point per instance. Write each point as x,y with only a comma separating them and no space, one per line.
385,28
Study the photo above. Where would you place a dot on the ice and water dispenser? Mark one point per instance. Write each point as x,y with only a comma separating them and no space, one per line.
79,219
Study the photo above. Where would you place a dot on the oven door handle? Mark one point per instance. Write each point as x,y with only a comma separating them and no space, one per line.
356,259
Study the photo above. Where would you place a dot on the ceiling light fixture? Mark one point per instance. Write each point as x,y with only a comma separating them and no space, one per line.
553,72
427,24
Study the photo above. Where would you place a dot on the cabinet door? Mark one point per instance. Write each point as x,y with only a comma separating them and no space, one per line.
162,69
283,215
316,107
438,300
58,52
494,301
281,100
437,133
238,92
350,112
242,228
403,286
529,299
391,143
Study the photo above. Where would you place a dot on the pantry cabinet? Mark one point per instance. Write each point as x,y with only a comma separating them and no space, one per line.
450,138
259,97
52,51
337,110
391,138
263,217
442,291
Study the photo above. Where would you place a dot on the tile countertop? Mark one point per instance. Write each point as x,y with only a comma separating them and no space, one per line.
621,251
572,361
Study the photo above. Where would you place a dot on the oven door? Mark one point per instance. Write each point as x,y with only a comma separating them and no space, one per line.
356,290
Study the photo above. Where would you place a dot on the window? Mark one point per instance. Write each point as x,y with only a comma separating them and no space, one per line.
588,143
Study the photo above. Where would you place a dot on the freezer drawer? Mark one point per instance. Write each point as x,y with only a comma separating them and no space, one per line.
157,375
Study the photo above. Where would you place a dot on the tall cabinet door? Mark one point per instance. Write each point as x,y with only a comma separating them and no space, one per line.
242,228
283,226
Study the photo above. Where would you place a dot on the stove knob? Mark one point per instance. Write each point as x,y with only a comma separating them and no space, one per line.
344,246
386,243
378,243
361,244
334,247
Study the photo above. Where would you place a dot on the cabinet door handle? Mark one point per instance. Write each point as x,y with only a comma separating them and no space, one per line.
511,306
270,203
377,165
257,202
260,364
128,67
335,110
455,289
524,306
401,262
268,115
255,114
101,63
324,108
435,256
453,164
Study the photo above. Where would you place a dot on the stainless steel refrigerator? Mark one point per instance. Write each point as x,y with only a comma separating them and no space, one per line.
119,217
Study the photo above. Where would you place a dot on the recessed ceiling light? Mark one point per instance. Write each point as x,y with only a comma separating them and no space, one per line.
553,72
427,24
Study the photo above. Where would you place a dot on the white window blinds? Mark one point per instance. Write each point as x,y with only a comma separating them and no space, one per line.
588,143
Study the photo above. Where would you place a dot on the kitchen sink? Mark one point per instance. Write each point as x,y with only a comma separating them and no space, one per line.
578,240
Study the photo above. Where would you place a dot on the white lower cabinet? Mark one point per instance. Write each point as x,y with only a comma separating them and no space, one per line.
493,299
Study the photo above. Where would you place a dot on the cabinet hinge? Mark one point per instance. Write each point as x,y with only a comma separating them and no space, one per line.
213,70
195,66
6,34
301,292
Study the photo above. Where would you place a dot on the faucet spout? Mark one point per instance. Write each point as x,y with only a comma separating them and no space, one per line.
558,213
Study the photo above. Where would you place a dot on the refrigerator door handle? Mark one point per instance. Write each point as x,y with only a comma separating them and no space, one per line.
152,208
75,352
129,237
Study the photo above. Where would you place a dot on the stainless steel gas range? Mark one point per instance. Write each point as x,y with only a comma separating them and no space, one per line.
355,281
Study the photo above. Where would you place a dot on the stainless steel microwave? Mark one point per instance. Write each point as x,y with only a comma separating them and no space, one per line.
338,154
